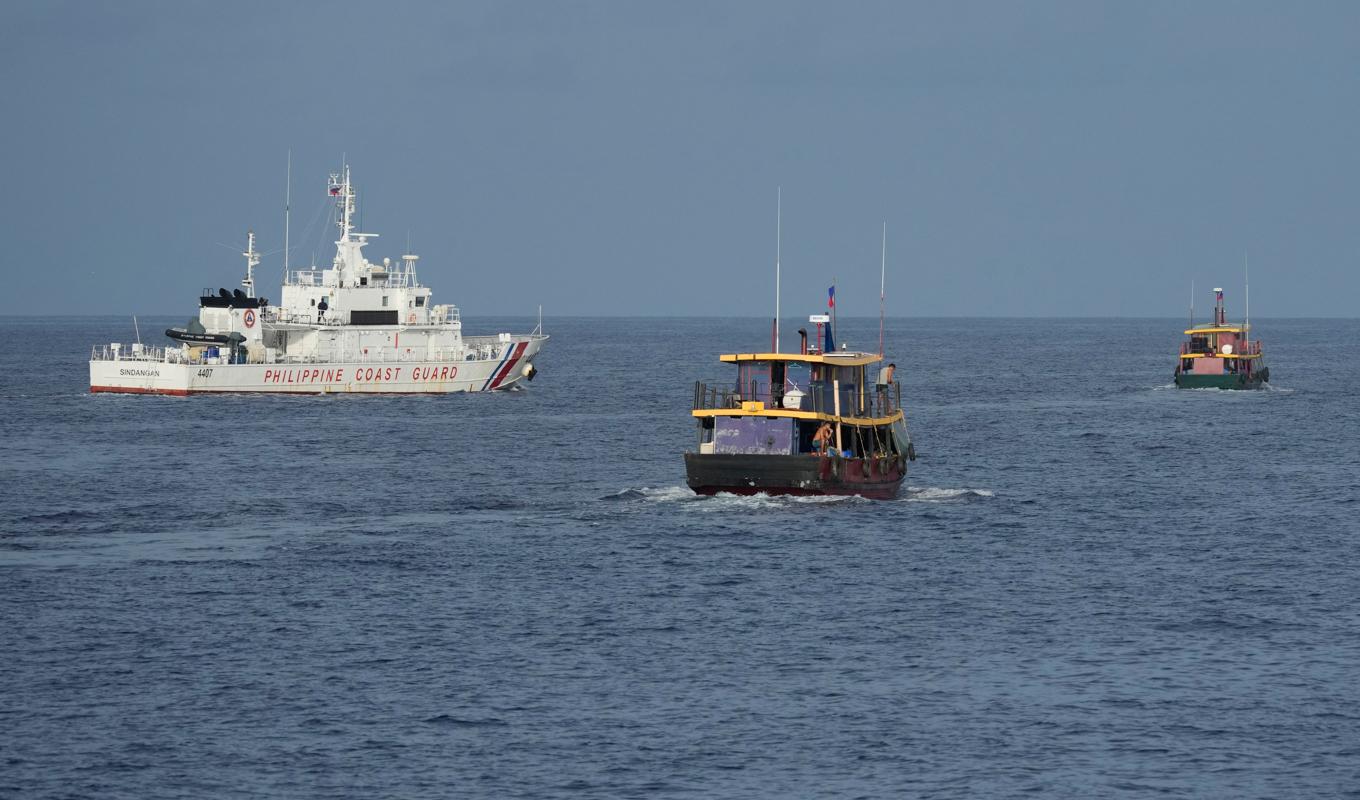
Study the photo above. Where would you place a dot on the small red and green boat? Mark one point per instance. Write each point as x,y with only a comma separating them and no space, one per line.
1221,355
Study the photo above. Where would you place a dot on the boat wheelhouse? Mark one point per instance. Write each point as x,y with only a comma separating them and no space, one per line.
1221,355
807,423
358,326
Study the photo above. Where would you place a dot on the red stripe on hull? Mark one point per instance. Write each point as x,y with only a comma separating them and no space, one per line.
514,359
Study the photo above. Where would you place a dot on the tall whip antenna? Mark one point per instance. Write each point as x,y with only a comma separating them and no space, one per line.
882,285
778,251
287,209
1246,279
1192,302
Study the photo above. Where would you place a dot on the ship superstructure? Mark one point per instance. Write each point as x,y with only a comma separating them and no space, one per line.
357,326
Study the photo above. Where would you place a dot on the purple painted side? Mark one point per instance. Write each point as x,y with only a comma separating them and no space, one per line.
753,435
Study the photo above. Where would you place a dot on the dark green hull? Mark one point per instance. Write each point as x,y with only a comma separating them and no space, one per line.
1226,381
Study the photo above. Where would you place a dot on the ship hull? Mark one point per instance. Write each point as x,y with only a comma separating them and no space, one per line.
1192,381
133,376
711,473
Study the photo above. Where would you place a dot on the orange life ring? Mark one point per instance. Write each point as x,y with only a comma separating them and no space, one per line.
411,318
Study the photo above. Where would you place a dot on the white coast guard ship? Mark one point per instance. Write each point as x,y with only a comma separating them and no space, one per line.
356,327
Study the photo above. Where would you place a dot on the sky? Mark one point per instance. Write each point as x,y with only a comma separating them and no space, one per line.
624,158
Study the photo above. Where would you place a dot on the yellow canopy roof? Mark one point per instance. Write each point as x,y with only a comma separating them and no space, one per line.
842,359
1215,329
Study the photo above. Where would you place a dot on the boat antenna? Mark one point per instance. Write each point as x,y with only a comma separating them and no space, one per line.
287,208
778,251
882,285
1246,280
1192,302
137,329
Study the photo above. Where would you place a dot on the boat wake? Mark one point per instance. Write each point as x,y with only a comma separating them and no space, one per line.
662,494
682,494
1272,388
935,494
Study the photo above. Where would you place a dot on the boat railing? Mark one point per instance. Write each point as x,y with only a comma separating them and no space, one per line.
136,352
1251,348
817,397
303,277
282,315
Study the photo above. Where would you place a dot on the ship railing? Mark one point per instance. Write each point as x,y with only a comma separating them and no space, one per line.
818,397
135,352
487,350
452,355
303,277
443,315
276,314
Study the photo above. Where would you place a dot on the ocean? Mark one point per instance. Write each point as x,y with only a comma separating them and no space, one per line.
1091,585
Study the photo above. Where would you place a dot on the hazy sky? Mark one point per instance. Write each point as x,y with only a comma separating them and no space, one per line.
1029,159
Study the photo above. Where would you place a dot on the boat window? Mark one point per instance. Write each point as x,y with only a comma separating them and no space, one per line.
363,281
753,381
420,301
384,301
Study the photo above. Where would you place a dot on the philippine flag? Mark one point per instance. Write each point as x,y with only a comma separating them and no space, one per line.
335,191
831,297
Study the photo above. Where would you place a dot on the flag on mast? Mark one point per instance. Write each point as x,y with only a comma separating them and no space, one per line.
831,297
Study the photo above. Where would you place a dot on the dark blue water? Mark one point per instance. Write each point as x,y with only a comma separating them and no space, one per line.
1095,586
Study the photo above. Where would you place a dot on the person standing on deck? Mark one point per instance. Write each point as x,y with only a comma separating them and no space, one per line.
885,381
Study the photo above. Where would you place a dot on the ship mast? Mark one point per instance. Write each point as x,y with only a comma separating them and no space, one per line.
252,261
345,191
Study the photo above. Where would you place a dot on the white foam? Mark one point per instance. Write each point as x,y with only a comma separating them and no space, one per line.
666,494
935,494
722,500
